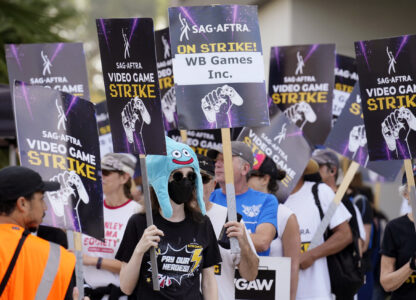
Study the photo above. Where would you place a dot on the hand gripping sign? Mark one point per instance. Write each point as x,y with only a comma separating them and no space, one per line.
219,75
132,85
219,102
134,114
72,189
300,114
65,148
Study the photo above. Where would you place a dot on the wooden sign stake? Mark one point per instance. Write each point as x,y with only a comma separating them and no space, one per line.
184,136
149,220
229,183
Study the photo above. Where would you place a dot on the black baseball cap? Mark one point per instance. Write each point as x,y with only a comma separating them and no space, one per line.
19,181
206,165
269,167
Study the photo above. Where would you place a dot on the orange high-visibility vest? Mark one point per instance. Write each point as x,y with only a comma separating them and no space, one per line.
43,270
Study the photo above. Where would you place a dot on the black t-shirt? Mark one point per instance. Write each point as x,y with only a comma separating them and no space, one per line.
400,242
365,209
186,248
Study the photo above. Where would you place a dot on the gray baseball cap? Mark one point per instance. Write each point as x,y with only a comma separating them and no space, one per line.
238,149
325,156
119,162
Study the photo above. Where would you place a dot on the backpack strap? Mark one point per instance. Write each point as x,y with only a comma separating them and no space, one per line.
13,261
317,201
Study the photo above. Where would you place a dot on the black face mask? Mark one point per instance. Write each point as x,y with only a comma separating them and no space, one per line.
181,191
315,177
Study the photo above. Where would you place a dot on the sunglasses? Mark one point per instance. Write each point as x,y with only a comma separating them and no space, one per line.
178,176
256,174
206,178
108,172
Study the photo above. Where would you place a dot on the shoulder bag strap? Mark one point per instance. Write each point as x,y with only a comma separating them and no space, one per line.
316,197
13,261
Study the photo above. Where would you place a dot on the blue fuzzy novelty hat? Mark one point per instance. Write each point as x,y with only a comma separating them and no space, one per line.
159,168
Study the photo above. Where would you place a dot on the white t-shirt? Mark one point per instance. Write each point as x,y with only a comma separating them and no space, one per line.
224,273
314,282
283,214
115,221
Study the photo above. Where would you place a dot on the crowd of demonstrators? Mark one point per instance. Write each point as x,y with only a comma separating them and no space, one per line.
180,232
287,244
314,279
193,251
30,267
101,269
258,209
247,261
398,250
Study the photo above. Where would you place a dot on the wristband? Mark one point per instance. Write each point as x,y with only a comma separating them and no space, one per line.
99,262
412,263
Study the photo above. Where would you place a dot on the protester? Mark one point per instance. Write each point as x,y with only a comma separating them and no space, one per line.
101,269
184,239
288,240
42,270
314,280
258,209
247,261
328,171
398,255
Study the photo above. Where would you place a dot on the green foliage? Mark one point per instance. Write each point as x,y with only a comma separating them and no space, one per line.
31,21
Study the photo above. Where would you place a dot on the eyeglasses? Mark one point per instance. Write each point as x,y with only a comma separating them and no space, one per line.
206,178
178,176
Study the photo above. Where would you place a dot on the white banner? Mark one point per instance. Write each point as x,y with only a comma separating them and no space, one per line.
217,68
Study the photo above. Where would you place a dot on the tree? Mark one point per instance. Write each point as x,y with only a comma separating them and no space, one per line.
32,21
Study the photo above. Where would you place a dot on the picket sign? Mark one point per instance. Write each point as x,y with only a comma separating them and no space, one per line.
229,183
411,185
184,136
75,244
317,238
149,219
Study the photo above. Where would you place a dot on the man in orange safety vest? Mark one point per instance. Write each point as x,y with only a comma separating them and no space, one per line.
30,267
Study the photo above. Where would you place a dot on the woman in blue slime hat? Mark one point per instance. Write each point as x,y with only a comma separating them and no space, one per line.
184,239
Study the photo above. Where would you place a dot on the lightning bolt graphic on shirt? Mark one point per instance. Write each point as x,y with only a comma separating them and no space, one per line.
196,258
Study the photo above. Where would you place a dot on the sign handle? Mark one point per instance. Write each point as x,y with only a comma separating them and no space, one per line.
184,136
149,220
229,184
317,237
75,243
410,185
